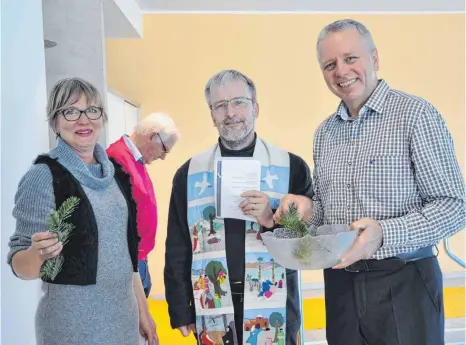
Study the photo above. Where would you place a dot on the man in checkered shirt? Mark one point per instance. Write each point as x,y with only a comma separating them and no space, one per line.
385,164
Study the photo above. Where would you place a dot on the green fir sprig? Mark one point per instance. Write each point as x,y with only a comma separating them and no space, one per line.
56,222
293,223
297,228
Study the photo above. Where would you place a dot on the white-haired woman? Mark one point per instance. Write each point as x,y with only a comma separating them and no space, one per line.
97,296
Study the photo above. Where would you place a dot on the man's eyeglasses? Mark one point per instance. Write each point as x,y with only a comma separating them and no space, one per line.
163,145
221,107
73,114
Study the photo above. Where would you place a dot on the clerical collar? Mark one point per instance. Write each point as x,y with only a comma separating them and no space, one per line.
229,152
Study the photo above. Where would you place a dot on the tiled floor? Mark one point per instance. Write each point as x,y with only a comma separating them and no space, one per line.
454,333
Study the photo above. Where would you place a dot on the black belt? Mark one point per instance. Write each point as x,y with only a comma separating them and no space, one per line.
390,264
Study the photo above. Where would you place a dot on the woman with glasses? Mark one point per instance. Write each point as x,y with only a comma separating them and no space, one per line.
97,295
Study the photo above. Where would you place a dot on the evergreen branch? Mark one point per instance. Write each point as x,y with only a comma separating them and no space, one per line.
53,221
306,246
58,266
51,267
68,206
66,233
295,227
293,222
56,224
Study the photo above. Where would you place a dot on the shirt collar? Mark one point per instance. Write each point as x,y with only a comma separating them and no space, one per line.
375,102
133,148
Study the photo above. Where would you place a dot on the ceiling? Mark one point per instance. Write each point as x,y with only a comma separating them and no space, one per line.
347,6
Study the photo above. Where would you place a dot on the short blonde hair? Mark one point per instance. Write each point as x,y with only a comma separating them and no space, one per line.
67,92
159,123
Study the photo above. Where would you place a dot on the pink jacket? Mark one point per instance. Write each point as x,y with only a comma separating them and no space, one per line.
143,195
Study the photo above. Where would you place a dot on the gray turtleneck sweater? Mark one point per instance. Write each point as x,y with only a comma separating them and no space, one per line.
101,314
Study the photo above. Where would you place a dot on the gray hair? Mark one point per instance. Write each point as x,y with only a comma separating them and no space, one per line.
66,92
224,77
157,123
342,25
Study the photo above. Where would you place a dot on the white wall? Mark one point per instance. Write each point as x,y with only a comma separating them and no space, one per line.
1,251
123,19
116,117
77,26
131,117
122,117
24,135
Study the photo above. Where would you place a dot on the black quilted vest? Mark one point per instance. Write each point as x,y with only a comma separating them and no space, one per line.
81,251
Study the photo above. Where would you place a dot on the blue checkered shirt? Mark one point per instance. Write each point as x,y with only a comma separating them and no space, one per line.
395,163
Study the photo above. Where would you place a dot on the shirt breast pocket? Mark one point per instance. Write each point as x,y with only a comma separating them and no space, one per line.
386,182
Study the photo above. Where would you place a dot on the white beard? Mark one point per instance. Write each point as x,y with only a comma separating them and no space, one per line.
238,137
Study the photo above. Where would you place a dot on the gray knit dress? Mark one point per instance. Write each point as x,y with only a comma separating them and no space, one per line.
102,314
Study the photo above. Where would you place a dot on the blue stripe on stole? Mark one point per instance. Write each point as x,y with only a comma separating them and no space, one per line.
275,179
200,185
